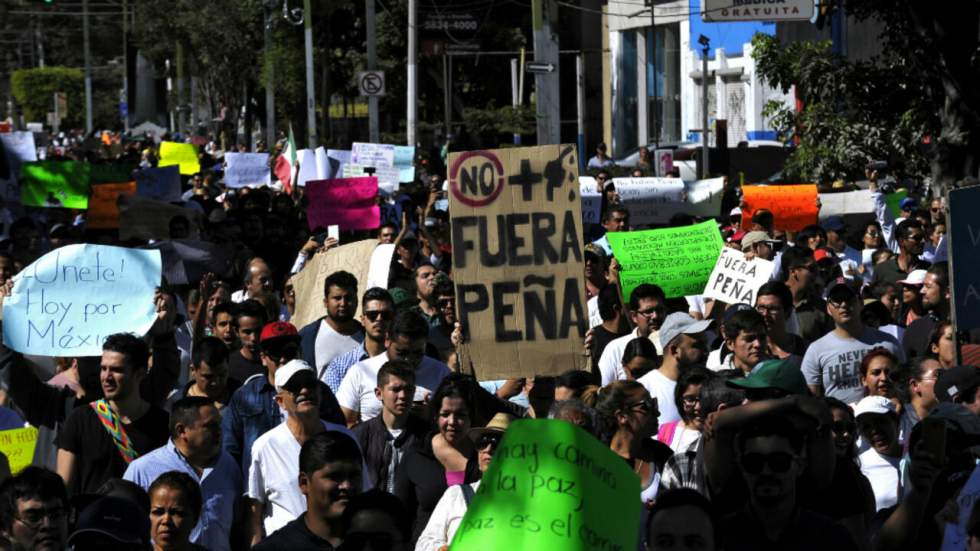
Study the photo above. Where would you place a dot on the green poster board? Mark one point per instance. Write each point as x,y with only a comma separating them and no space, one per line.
894,200
111,173
552,486
679,260
55,184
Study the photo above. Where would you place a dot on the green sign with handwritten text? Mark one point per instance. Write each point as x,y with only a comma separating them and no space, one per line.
552,485
679,260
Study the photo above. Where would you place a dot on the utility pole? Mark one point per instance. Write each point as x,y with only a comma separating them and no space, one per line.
374,132
181,80
447,100
514,95
705,44
653,61
580,103
413,32
270,91
310,95
89,125
543,14
125,48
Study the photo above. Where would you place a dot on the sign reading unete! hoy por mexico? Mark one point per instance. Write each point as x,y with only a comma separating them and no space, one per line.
517,259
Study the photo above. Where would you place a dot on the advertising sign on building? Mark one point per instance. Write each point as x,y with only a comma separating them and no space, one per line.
756,10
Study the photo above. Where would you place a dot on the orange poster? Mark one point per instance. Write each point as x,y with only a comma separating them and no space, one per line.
103,210
794,207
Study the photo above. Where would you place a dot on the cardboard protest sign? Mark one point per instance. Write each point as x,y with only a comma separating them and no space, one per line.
70,300
307,167
964,256
247,169
308,283
146,219
162,183
591,200
704,197
735,280
846,203
183,155
111,173
679,260
336,159
517,260
651,200
348,202
103,209
17,148
18,445
552,485
794,207
55,184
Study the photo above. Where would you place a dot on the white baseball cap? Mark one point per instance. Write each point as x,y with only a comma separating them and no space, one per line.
915,277
874,404
292,367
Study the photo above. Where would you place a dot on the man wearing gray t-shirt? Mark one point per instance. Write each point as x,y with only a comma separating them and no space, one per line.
832,364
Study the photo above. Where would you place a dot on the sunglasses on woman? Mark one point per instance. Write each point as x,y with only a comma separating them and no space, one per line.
490,440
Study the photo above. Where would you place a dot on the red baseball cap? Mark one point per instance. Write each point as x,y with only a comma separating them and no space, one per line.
278,329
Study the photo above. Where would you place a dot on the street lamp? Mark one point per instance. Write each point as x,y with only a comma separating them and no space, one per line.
705,46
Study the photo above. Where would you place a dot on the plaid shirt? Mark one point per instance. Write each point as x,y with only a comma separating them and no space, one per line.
686,470
336,370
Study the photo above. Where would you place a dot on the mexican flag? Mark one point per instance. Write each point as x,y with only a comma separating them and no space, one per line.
286,164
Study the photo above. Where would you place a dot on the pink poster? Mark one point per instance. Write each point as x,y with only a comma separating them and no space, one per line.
350,203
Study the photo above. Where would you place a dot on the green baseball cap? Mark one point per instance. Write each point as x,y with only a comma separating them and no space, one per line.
782,374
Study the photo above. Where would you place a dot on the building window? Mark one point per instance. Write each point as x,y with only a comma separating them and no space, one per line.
664,87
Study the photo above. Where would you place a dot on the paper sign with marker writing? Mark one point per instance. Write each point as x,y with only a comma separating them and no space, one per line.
651,200
735,280
591,200
55,184
679,260
162,183
348,202
552,485
372,154
794,207
247,169
103,207
70,300
848,202
18,445
183,155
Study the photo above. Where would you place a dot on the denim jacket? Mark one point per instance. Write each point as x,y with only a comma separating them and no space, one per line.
253,410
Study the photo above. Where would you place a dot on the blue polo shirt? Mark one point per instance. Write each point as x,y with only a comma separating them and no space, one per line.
221,488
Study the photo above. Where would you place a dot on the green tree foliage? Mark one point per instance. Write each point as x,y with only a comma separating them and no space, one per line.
34,91
852,112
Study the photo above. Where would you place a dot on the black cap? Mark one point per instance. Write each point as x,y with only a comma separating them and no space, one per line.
116,518
841,292
953,382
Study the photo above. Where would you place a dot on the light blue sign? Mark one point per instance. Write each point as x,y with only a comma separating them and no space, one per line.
405,162
70,300
336,159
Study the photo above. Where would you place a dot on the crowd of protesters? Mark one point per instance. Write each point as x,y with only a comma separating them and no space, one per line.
839,411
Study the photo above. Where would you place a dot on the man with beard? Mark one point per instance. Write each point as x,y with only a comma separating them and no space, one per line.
34,511
425,286
648,309
100,440
770,456
330,468
338,332
406,341
832,363
377,311
935,299
272,487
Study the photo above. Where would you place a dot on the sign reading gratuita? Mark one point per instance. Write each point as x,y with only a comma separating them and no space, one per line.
756,10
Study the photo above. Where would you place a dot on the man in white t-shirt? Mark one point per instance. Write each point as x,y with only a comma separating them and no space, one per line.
646,310
273,476
406,341
685,346
338,332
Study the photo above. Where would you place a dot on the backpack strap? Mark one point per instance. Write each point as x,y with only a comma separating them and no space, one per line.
468,493
113,426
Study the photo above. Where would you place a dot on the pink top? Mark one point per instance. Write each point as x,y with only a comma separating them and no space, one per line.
455,477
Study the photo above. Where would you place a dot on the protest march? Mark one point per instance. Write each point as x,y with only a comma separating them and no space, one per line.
352,350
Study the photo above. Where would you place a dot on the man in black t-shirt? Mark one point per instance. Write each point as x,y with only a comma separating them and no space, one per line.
613,323
249,321
99,440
